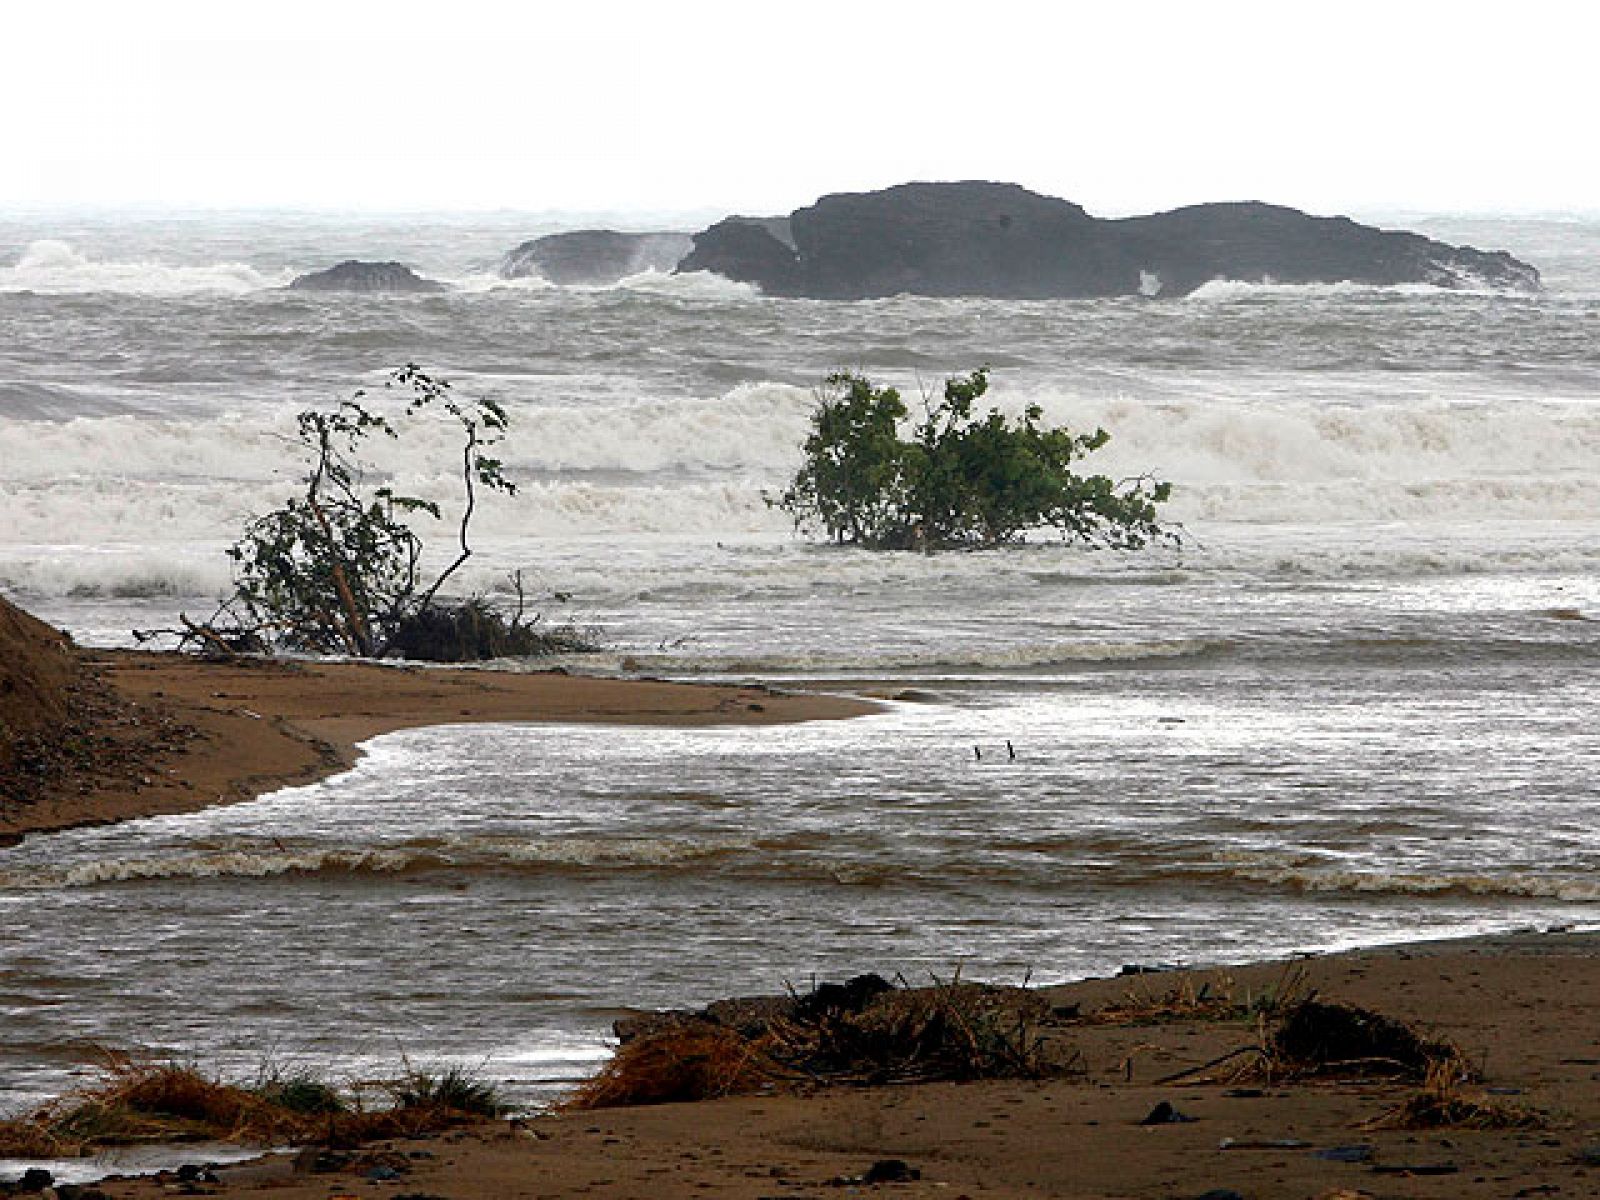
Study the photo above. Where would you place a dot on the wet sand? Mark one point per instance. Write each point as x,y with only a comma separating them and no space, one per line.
199,733
1523,1007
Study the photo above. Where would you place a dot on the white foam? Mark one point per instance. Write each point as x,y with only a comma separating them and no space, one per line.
481,282
1524,885
54,267
120,572
119,504
1436,451
241,863
1236,290
973,658
693,285
258,862
755,427
690,285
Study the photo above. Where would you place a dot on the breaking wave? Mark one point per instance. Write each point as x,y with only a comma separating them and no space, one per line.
139,573
665,465
1235,290
1123,864
479,854
1529,885
999,658
52,267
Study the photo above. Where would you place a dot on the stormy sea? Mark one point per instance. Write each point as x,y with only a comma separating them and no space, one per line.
1355,704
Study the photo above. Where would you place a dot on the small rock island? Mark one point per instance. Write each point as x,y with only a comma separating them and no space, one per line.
595,257
353,275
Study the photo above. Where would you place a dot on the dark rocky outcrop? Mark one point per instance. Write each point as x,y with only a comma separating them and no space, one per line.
1266,242
750,250
996,239
355,276
596,257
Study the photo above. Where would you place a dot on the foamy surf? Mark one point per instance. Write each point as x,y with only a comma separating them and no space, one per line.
456,856
940,662
1247,291
52,267
1519,885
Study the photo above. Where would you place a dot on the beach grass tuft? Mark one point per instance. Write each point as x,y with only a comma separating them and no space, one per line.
454,1089
141,1103
1217,999
299,1090
1446,1100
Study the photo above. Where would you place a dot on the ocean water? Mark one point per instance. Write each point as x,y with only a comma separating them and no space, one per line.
1356,705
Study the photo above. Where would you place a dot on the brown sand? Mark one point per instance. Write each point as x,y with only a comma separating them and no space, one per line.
187,733
1523,1007
36,672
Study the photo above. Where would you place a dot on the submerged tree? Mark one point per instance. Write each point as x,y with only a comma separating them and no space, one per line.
339,569
961,479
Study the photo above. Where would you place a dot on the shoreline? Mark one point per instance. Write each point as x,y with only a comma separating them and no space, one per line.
201,733
1519,1006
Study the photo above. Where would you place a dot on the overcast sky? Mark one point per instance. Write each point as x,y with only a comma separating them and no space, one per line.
695,105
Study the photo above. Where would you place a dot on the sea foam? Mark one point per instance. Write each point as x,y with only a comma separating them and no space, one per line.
52,267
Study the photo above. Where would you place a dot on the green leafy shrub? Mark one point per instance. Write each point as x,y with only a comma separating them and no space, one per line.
961,479
337,569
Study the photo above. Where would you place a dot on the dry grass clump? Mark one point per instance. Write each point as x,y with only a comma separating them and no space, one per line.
476,630
950,1031
1317,1038
1307,1038
1186,1002
864,1032
139,1103
1217,999
1445,1101
452,1090
690,1060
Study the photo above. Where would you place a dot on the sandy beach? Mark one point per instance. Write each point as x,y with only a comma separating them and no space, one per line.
190,733
1519,1007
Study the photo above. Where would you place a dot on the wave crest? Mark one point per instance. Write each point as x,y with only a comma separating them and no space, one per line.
1520,885
53,267
481,854
1012,657
1235,290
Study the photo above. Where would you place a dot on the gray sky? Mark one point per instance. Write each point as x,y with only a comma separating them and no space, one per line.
752,107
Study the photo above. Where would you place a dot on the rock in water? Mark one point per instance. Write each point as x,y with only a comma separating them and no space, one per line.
999,239
758,250
355,276
597,257
1267,243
